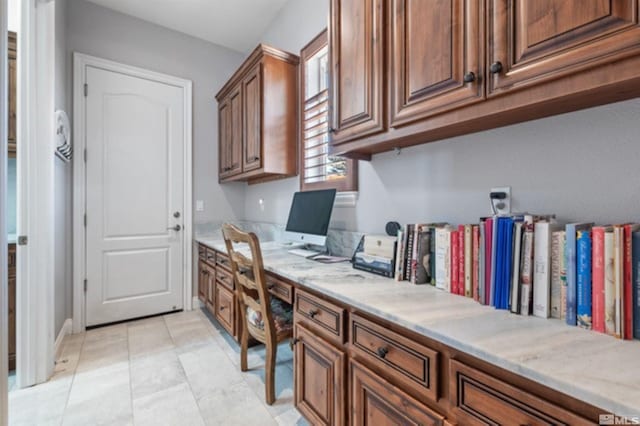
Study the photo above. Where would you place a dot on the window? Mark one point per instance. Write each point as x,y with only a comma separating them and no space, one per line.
319,169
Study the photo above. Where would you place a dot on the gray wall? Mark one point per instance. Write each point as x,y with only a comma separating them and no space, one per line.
101,32
581,165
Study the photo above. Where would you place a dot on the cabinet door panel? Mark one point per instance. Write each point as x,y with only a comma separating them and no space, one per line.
533,41
13,87
356,45
252,155
378,403
319,379
224,138
235,130
434,45
202,282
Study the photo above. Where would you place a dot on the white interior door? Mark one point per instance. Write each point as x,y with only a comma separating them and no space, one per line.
134,196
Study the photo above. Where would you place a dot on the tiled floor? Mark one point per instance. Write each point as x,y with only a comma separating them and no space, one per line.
179,369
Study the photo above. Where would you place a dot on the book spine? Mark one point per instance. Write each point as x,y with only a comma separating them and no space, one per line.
563,277
481,266
408,253
398,260
468,261
583,287
618,250
414,253
514,300
432,256
597,279
440,260
627,297
460,289
570,250
636,284
557,252
526,271
541,281
488,241
609,284
494,262
475,266
454,261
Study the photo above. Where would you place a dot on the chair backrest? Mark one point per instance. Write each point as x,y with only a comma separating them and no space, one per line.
250,281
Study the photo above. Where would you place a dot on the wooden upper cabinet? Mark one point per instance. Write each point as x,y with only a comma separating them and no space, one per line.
12,78
252,90
356,49
258,113
535,41
435,57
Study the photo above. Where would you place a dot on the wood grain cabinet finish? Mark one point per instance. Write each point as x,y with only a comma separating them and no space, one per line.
12,305
480,399
535,41
356,40
258,118
210,289
225,308
319,379
376,402
202,281
320,316
224,277
436,57
408,363
280,289
12,78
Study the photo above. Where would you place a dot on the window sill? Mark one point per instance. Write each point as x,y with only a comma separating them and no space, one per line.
346,199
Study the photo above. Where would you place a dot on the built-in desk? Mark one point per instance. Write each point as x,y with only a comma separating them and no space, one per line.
392,351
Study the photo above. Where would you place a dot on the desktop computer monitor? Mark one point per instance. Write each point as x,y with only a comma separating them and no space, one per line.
309,216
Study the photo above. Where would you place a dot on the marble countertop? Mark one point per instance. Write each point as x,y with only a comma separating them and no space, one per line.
592,367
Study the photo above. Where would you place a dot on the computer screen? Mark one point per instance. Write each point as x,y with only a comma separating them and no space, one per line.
310,214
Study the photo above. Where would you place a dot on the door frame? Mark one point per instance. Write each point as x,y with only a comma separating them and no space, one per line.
4,294
80,63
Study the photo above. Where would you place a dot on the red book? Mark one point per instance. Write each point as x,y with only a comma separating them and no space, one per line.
475,263
460,289
627,282
597,278
488,235
454,261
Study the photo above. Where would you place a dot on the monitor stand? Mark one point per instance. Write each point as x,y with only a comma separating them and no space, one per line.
305,251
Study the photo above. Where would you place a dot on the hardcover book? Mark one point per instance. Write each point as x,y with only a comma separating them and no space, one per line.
572,279
542,268
399,252
455,254
618,273
557,284
488,259
460,289
583,271
627,282
443,258
526,270
636,283
516,288
408,251
598,277
468,261
421,263
609,284
475,264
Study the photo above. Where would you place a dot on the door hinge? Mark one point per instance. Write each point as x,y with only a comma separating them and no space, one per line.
85,220
86,90
85,285
22,240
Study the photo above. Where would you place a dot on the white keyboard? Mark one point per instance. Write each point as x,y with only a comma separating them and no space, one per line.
304,252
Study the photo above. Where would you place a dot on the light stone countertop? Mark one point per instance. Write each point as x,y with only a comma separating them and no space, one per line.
592,367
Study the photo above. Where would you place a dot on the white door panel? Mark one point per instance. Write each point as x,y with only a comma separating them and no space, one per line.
134,184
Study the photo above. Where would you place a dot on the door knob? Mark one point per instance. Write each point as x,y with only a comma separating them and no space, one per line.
176,214
175,228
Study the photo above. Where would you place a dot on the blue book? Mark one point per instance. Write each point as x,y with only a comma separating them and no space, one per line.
572,274
494,262
635,262
499,261
583,272
508,262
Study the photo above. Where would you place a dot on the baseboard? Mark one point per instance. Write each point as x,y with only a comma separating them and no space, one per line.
197,303
67,327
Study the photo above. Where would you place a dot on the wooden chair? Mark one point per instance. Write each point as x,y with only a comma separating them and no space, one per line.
266,319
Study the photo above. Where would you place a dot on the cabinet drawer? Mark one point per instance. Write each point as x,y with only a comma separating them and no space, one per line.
410,364
225,278
320,315
280,289
210,256
377,402
225,308
480,399
202,252
222,260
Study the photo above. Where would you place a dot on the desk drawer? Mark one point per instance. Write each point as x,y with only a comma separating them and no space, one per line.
225,308
222,260
202,252
225,278
320,315
210,256
480,399
280,289
410,364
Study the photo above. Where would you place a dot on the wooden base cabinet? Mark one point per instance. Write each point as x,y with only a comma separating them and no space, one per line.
376,402
319,379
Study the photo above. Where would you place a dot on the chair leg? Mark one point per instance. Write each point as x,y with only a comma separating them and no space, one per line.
244,346
270,370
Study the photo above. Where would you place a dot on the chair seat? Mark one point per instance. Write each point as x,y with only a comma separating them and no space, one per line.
281,312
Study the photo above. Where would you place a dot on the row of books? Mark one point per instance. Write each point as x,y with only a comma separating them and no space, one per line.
584,274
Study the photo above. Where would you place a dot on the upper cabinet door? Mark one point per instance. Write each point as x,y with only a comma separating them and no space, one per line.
235,132
534,41
252,92
356,45
13,85
435,56
224,137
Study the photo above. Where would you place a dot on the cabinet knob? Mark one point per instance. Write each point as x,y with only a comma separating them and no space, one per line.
382,352
469,77
222,308
495,67
332,130
271,286
313,313
295,340
256,158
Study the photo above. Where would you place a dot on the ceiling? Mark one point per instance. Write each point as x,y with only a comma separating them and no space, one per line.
236,24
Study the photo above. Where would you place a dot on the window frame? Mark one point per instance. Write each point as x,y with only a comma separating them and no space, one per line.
349,183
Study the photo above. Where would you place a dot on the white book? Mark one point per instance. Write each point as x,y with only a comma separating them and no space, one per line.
399,258
542,268
515,276
443,259
618,262
526,269
609,285
557,255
